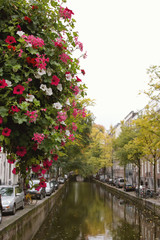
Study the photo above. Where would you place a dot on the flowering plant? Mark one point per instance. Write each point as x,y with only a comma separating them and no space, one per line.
39,83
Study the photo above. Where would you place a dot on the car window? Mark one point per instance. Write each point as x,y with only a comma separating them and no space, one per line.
6,191
18,190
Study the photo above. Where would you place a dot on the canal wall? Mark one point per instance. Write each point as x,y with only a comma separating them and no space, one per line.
25,224
150,204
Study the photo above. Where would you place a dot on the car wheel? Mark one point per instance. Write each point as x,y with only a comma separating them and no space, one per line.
14,209
0,216
41,197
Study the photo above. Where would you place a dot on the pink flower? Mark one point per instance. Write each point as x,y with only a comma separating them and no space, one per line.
64,58
65,13
18,89
6,132
71,137
55,80
35,41
32,115
62,116
10,40
3,83
74,126
41,61
39,137
15,109
21,151
1,120
75,112
20,54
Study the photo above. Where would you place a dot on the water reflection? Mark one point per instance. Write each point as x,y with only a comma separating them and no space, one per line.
88,212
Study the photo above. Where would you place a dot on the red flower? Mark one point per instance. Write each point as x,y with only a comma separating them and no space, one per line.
11,47
14,171
27,19
55,80
78,79
1,120
18,89
15,109
21,151
3,83
11,161
6,132
55,157
10,40
31,61
19,27
34,7
83,72
35,168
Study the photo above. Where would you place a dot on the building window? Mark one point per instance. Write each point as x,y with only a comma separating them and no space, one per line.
158,182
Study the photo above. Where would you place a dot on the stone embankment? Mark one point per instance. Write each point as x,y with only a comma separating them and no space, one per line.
150,204
25,223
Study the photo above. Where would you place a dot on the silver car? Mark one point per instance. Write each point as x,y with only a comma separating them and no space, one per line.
12,198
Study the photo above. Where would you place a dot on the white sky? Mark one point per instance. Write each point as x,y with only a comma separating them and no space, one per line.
122,39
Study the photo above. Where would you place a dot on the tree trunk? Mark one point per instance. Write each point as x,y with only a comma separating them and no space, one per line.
155,183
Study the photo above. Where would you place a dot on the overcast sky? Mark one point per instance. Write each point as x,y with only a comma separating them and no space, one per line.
122,39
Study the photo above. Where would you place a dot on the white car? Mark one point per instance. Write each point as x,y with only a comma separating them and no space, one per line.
12,197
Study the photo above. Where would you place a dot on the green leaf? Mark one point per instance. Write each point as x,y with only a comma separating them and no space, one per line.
19,118
3,111
16,67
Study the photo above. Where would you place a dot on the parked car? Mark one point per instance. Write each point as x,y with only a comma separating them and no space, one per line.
56,183
110,181
49,188
120,183
12,198
129,187
0,209
61,180
39,194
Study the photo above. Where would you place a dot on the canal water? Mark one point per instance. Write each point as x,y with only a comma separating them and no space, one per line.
87,211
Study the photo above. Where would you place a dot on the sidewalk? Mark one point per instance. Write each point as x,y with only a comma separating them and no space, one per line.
152,204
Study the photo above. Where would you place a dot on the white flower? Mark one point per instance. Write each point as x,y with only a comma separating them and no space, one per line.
68,76
29,45
43,87
57,105
41,72
9,83
63,123
37,75
49,91
67,133
68,102
59,87
20,33
49,72
29,98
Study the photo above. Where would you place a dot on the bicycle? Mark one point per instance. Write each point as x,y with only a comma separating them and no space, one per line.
29,200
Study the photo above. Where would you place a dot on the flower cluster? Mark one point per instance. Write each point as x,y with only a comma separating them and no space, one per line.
39,85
